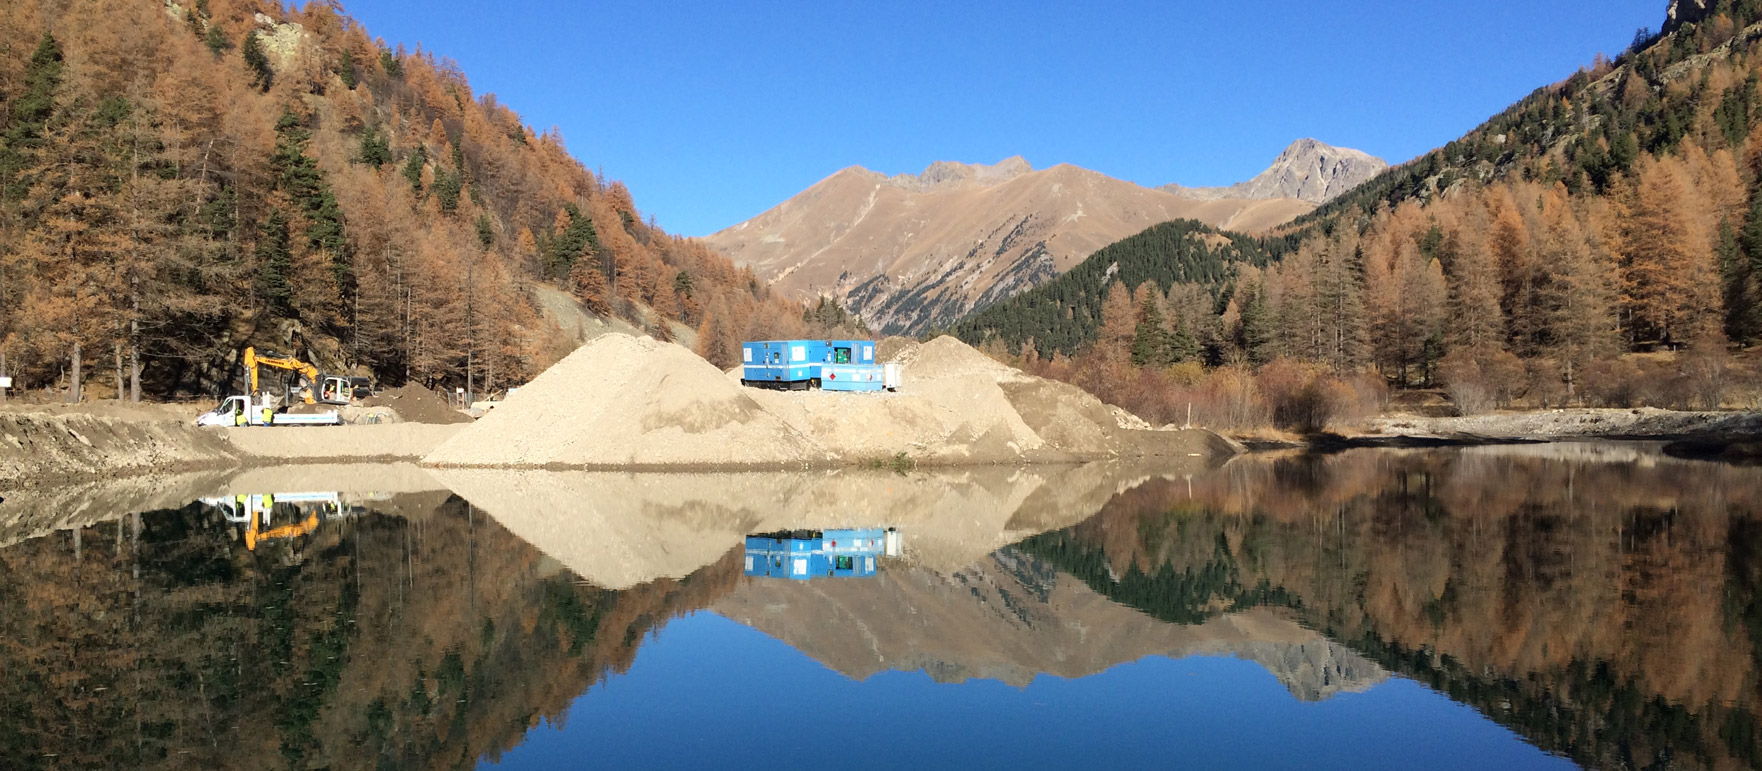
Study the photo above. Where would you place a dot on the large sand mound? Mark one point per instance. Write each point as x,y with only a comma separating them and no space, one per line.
628,401
621,401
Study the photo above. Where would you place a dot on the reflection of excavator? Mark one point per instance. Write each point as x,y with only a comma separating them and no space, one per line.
303,513
314,386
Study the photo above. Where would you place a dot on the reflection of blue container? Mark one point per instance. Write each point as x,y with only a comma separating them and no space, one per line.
800,363
802,555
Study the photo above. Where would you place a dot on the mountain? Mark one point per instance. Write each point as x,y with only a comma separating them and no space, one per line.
179,181
912,252
1617,211
1307,170
1012,618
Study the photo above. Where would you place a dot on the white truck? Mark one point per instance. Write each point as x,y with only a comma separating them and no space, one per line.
245,411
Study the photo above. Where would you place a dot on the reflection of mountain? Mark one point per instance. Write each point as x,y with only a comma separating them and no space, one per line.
1011,617
1604,605
160,641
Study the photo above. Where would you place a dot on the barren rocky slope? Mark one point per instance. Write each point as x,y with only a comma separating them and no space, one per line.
914,251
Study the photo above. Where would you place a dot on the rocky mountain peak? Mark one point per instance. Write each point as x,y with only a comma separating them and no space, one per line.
953,173
1307,169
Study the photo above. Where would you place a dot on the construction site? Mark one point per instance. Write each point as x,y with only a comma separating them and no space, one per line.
618,402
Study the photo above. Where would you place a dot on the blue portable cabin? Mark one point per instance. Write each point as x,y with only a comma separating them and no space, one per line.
801,555
801,364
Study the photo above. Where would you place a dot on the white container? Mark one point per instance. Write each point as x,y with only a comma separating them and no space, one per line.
890,376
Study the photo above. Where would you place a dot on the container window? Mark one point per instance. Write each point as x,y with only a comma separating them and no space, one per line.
841,356
844,563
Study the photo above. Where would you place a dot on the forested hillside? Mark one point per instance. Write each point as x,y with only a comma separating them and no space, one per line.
1609,215
178,181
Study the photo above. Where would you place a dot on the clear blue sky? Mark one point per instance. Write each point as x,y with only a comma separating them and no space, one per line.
712,112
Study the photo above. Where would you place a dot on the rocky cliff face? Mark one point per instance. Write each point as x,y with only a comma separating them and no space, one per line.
1307,170
1687,12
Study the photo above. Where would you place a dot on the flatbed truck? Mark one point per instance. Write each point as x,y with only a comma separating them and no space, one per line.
245,411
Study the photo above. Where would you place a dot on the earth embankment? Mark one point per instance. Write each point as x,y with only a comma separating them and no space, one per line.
41,448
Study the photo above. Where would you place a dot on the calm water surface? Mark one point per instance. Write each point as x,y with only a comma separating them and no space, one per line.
1537,607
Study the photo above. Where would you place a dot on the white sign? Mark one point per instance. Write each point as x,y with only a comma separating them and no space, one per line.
459,390
5,382
746,355
798,353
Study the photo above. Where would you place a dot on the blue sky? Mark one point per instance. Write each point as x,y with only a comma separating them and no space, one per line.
712,112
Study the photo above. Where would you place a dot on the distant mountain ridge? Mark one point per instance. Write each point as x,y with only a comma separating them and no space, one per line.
912,252
1307,170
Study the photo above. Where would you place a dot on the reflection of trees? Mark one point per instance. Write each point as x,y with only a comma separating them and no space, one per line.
1606,610
429,641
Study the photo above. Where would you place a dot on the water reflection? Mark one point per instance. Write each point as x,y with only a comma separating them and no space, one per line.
802,555
1601,601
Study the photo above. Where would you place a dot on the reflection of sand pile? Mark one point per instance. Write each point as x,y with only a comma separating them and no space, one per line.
621,401
619,529
1011,618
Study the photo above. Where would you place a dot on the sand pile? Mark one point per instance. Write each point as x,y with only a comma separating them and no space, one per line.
622,401
416,404
628,401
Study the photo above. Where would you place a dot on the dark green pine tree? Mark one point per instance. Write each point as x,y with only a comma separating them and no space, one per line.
261,75
1183,346
413,168
486,230
389,62
215,40
275,263
30,114
376,150
345,69
567,246
682,284
300,177
1256,334
447,185
1150,341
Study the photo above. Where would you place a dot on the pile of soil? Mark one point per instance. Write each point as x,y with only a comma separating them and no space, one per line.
415,404
622,401
627,401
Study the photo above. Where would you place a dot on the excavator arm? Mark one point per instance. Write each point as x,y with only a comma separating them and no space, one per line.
307,371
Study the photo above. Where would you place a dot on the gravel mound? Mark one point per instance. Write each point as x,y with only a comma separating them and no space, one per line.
622,401
626,401
416,404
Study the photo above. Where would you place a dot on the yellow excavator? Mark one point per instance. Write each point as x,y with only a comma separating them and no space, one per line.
314,386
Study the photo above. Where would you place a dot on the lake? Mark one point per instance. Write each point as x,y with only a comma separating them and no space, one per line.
1545,606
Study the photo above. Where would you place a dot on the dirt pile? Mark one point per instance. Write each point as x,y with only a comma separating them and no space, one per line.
415,404
622,401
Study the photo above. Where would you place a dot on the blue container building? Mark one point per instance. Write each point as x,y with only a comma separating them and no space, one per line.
801,555
834,365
